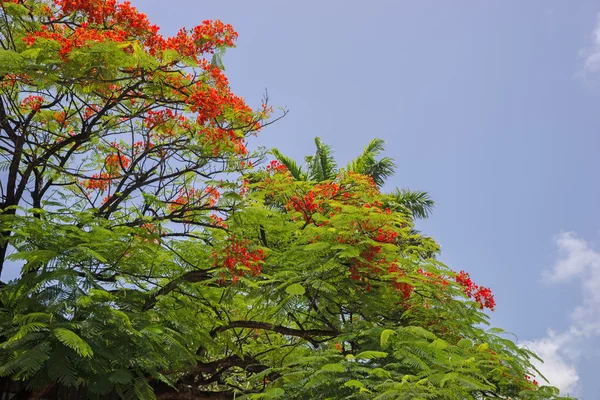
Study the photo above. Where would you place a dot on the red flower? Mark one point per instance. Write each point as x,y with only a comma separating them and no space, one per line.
238,258
32,102
480,294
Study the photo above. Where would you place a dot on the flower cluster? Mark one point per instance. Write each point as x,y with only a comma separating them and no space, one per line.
188,197
207,102
201,39
97,11
370,263
531,380
314,200
217,221
78,38
125,22
207,95
385,236
238,258
161,117
244,187
276,167
480,294
60,117
142,146
90,111
32,102
100,181
116,162
305,204
212,194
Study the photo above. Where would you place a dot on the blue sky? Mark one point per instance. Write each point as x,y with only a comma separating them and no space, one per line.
491,107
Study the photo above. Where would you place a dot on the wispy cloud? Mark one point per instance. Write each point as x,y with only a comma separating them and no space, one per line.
561,351
578,261
559,368
591,54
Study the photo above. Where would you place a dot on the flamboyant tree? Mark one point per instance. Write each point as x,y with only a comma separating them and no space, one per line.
107,127
156,263
99,111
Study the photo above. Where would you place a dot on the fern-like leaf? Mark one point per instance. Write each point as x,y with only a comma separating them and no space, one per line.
73,341
322,165
291,165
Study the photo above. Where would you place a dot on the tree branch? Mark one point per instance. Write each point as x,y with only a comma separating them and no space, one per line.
307,334
192,276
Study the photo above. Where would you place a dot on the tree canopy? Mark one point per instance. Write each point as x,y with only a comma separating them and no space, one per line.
157,261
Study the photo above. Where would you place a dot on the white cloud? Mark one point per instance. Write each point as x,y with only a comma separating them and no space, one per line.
592,53
557,367
576,257
561,351
578,260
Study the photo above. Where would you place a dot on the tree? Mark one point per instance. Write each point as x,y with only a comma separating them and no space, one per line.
97,104
417,203
158,264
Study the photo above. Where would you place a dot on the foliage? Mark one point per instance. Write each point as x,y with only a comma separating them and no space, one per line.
156,264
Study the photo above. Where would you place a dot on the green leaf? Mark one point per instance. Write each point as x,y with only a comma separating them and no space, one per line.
366,163
465,344
217,61
291,165
143,390
335,367
354,384
72,340
295,289
439,344
349,252
273,393
93,254
448,377
367,355
100,295
10,61
385,336
322,165
232,196
380,373
26,329
324,286
317,246
120,376
419,331
419,204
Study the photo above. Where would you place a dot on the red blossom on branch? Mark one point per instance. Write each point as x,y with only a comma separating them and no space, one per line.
480,294
32,102
238,258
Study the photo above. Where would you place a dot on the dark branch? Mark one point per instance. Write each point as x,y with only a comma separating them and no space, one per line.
307,334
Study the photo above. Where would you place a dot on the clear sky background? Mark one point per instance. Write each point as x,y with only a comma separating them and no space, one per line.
491,107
